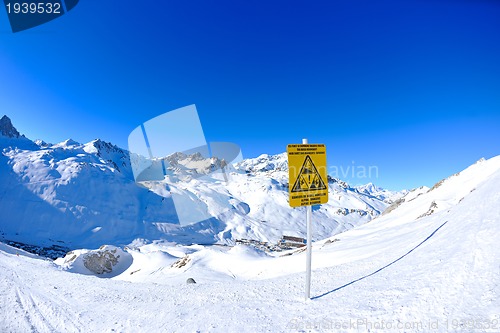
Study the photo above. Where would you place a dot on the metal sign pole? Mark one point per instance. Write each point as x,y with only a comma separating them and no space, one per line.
307,187
309,246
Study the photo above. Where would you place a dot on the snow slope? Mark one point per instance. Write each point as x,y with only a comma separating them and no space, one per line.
83,195
399,273
411,270
65,195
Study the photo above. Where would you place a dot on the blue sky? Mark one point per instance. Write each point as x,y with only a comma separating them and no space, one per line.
410,87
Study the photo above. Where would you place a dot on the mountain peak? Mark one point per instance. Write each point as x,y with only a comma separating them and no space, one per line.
7,129
265,163
369,188
68,143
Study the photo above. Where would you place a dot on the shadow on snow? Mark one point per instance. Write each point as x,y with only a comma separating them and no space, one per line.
380,269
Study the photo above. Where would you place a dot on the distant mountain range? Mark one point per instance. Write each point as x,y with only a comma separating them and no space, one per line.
84,195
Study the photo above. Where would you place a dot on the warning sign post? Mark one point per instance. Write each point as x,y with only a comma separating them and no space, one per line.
308,186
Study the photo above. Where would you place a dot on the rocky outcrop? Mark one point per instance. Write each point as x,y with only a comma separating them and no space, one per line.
101,261
7,129
107,261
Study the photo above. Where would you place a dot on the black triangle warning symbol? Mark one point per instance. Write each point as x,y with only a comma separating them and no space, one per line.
309,178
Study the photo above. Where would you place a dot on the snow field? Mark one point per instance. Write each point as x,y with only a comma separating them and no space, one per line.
438,273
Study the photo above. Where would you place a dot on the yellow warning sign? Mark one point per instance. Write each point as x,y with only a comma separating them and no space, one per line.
308,184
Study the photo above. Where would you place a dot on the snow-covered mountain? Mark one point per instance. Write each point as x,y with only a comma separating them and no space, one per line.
83,195
430,264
